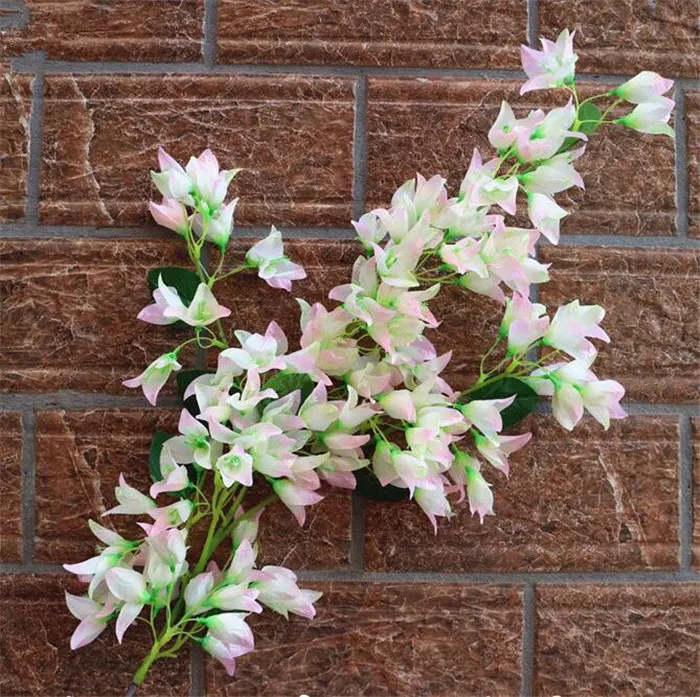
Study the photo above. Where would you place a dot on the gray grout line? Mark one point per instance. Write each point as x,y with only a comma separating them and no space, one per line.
31,568
650,409
27,63
681,165
357,539
32,231
670,242
527,654
36,124
686,494
41,232
516,578
505,577
28,484
69,399
210,31
359,148
533,22
197,679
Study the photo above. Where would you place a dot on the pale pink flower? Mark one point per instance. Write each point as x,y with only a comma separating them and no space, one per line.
523,323
231,629
651,117
478,489
558,174
273,267
209,183
485,414
553,66
203,310
295,497
502,134
93,618
170,214
572,325
259,353
643,87
279,591
434,503
172,181
194,445
155,376
602,400
219,226
235,466
496,450
130,587
131,501
465,255
545,215
224,653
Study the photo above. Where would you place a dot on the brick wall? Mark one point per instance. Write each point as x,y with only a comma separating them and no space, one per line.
586,582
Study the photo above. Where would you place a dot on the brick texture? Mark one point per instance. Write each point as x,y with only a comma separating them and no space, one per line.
328,107
598,640
80,455
129,30
433,126
482,33
11,487
628,36
692,120
292,135
68,321
35,654
652,303
15,110
359,645
572,502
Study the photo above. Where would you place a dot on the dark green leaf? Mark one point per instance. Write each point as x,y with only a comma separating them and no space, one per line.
283,383
183,378
371,488
159,437
184,281
589,114
525,401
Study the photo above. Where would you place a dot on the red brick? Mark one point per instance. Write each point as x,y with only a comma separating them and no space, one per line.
629,36
80,455
130,30
69,312
589,500
617,640
11,487
35,653
386,639
432,126
15,109
292,135
652,302
481,33
692,120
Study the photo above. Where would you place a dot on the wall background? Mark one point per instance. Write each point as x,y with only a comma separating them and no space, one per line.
586,582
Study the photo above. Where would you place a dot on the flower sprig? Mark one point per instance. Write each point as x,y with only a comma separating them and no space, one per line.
362,402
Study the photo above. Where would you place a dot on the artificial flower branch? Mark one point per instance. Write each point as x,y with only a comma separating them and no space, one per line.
362,403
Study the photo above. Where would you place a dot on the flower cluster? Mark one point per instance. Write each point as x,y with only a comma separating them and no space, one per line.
363,402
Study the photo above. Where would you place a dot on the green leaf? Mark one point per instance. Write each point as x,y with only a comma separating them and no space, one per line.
590,114
526,399
159,438
371,488
184,281
183,378
283,383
